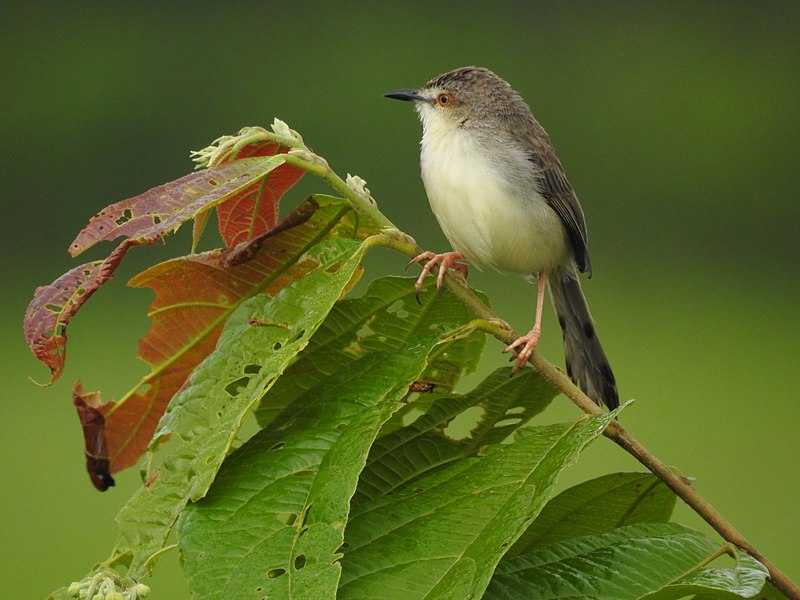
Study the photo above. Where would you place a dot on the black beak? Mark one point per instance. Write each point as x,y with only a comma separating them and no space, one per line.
406,95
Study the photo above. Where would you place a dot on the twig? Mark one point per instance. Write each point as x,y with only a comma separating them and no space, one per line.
680,485
400,241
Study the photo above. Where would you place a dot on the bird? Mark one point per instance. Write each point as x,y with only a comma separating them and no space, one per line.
502,199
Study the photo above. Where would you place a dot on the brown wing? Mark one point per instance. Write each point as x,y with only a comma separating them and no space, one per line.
558,193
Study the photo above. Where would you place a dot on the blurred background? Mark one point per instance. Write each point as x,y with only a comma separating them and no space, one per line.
678,125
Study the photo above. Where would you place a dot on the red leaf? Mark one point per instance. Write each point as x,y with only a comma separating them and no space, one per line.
187,317
95,447
195,295
143,219
52,307
163,209
254,211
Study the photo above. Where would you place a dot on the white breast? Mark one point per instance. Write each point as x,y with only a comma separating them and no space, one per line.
485,217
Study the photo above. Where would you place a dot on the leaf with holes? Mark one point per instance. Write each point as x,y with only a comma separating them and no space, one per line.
503,404
443,536
147,218
195,295
290,486
161,210
54,305
382,320
260,338
657,561
597,506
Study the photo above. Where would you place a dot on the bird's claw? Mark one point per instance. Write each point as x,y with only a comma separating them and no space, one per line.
447,260
528,343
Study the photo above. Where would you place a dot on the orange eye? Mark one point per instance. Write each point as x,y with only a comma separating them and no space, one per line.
443,99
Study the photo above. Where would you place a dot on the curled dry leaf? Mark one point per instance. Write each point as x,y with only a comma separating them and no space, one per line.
248,181
194,296
52,307
143,220
94,437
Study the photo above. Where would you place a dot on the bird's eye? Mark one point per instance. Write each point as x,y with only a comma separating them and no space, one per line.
443,99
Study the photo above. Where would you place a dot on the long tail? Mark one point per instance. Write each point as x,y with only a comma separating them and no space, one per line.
586,362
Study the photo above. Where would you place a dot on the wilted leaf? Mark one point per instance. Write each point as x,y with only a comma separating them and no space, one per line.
144,219
195,295
95,447
597,506
52,307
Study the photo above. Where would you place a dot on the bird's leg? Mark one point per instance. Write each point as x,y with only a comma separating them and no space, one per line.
448,260
530,339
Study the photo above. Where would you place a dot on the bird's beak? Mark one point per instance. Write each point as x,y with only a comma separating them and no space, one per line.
406,95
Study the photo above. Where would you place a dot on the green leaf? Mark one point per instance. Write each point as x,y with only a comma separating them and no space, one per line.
272,525
261,337
504,404
597,506
744,580
443,536
768,592
384,319
652,560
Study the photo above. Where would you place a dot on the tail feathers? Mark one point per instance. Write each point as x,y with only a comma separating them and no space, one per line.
586,362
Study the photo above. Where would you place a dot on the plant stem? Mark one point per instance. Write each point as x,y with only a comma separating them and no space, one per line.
557,378
678,484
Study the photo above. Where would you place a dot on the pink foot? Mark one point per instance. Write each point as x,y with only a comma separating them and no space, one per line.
448,260
528,343
530,339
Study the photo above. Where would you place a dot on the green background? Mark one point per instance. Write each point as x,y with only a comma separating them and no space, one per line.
678,125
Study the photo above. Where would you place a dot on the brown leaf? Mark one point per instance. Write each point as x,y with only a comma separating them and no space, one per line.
195,295
163,209
143,219
95,447
423,387
52,307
